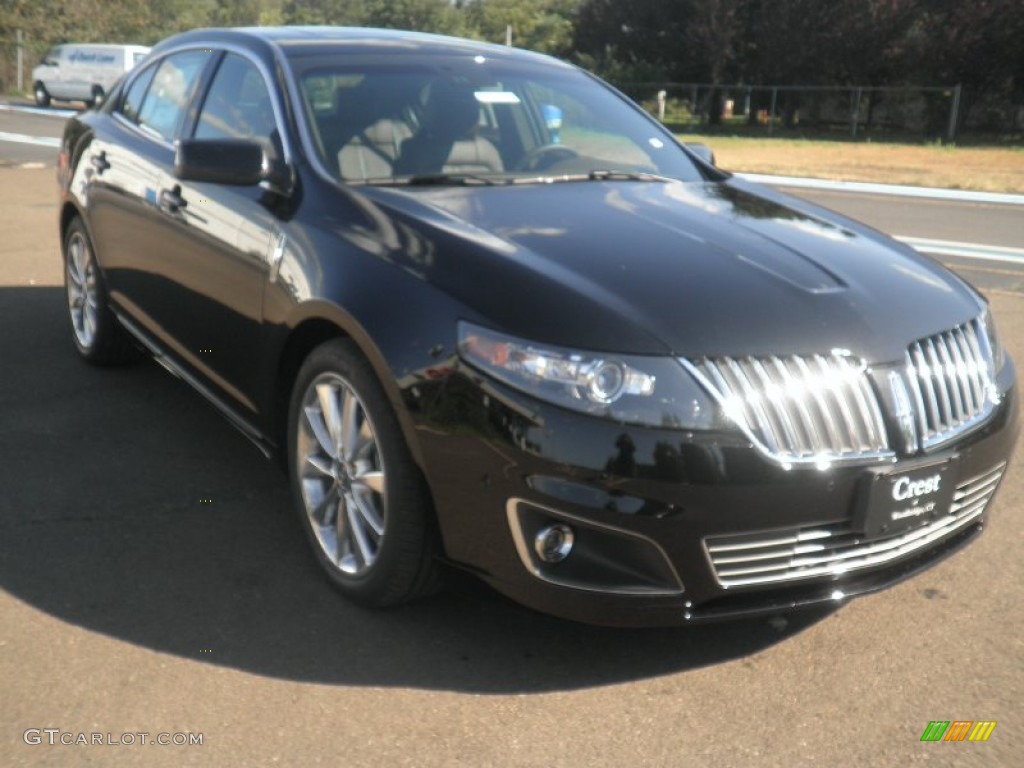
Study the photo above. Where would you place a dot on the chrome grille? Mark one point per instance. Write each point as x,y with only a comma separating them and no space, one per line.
813,409
743,560
949,376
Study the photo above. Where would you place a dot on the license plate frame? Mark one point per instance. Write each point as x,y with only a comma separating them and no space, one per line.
898,499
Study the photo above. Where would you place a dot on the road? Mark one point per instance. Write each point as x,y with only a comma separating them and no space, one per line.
974,223
29,138
153,581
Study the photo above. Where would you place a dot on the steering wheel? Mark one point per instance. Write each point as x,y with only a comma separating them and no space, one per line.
545,156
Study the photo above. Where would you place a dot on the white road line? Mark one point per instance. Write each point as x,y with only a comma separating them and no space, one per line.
21,138
46,111
965,250
897,190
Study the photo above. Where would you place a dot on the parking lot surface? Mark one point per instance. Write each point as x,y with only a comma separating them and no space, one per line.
152,581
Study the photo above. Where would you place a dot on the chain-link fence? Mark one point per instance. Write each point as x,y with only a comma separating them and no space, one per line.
934,112
900,112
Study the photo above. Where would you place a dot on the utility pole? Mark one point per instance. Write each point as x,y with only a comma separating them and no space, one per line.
954,114
21,60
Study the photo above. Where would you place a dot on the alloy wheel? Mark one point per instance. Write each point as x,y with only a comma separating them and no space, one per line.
341,474
82,290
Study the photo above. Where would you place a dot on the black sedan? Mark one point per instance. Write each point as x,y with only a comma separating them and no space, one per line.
490,315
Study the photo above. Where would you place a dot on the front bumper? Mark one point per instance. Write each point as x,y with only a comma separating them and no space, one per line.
662,518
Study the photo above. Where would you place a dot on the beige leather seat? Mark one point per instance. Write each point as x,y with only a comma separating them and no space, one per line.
447,141
371,153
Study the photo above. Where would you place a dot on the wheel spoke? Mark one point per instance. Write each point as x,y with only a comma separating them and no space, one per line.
342,545
90,282
366,442
325,510
74,276
327,395
373,480
75,260
320,464
315,420
349,426
367,510
358,536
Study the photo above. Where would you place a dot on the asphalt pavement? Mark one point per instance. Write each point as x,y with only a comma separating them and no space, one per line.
152,581
29,136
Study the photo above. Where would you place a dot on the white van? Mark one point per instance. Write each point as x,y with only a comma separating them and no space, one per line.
83,72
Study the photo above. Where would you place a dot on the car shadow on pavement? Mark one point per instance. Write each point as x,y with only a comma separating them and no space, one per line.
130,508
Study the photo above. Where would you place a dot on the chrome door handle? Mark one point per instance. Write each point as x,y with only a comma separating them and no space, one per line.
100,162
171,200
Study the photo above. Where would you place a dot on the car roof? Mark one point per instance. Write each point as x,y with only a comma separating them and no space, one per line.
326,39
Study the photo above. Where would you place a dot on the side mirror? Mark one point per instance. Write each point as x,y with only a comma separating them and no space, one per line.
239,162
704,152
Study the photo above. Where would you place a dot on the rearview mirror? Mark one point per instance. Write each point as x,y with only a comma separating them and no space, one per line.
239,162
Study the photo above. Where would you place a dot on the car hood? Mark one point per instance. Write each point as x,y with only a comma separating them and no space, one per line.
685,268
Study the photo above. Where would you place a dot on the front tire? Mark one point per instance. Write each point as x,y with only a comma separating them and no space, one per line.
97,335
359,495
41,94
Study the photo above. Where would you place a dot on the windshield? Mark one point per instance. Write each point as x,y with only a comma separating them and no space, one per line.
459,118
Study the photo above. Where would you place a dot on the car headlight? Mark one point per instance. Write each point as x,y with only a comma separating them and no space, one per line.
998,353
652,391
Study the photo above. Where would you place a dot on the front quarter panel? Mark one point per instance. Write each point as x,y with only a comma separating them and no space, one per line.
347,264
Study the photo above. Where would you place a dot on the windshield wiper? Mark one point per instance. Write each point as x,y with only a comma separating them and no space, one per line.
598,175
438,180
473,179
612,174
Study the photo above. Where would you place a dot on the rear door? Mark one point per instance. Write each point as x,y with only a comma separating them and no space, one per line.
131,207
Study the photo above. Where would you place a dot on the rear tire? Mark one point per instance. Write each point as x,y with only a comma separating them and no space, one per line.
41,94
98,337
359,495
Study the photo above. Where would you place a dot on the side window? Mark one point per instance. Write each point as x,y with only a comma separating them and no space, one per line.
238,105
133,98
164,103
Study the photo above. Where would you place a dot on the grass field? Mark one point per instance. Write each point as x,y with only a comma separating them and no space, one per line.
988,169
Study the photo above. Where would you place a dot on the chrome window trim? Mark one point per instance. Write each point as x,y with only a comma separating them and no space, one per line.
269,80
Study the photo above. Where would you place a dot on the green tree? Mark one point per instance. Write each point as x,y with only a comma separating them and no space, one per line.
537,25
337,12
438,16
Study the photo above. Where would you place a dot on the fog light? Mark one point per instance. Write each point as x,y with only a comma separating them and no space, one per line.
553,543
